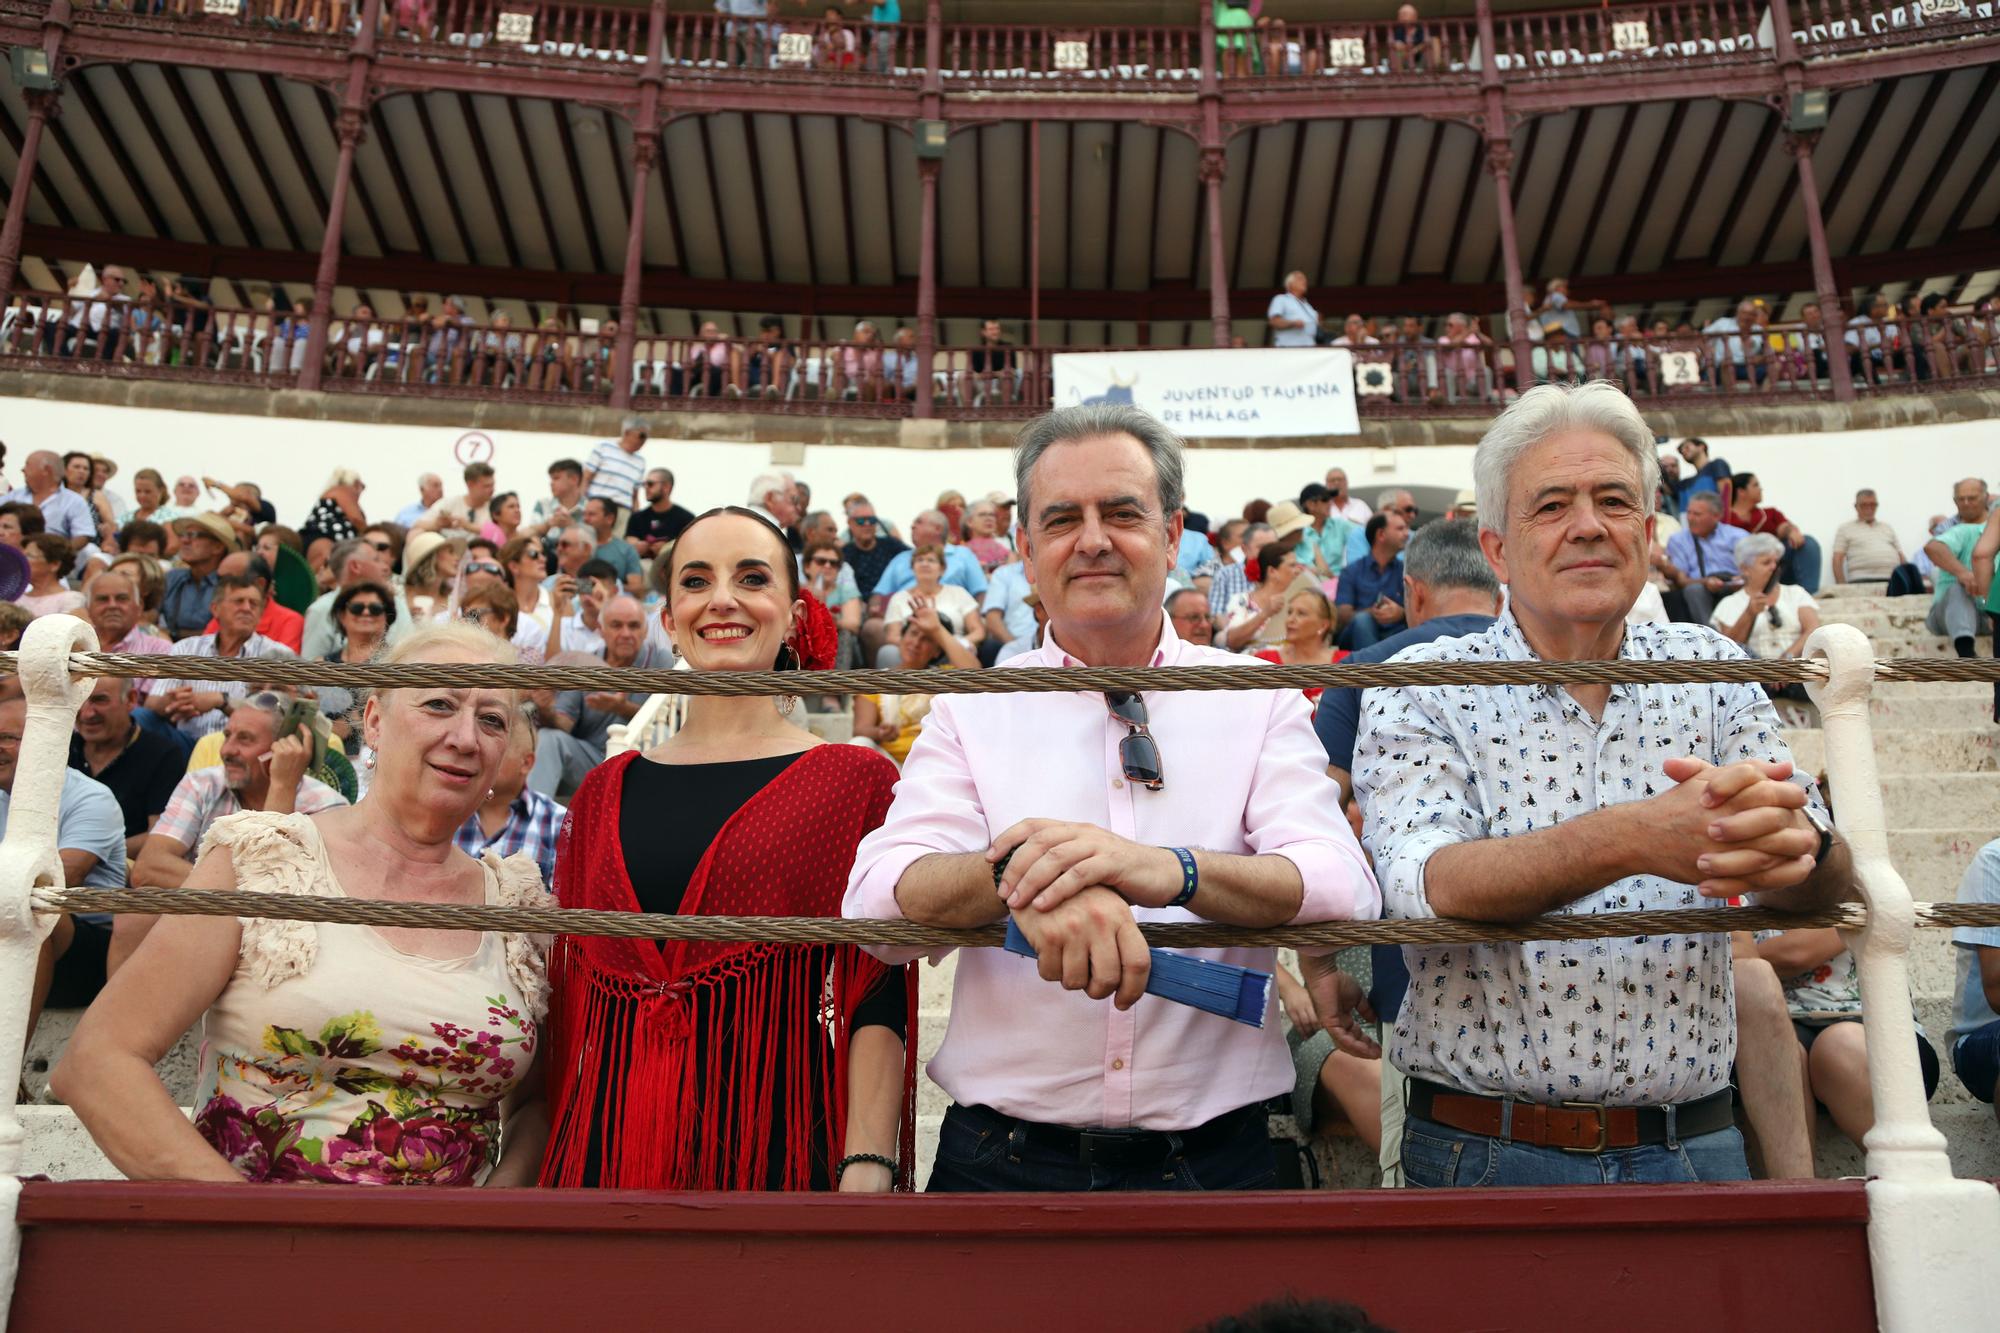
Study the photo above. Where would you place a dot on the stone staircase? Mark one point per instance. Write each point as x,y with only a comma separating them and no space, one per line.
1939,755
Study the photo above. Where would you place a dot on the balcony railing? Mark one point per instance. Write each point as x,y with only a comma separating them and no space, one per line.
1532,47
432,356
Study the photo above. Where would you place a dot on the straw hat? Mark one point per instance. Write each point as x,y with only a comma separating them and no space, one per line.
1287,519
419,547
214,525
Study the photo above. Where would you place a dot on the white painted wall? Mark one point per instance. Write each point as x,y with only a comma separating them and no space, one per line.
1811,477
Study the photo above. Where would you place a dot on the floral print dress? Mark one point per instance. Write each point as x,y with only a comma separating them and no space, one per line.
334,1056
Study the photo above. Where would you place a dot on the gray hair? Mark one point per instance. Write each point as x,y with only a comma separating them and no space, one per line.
1756,544
1549,409
1067,424
1865,493
638,423
766,482
1706,499
1173,592
576,532
343,476
1250,534
337,558
1445,553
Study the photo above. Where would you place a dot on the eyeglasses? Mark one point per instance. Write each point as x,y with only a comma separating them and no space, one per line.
483,567
863,521
831,561
265,701
1138,752
367,610
383,546
479,614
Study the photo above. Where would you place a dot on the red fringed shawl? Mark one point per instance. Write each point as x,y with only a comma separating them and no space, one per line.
664,1065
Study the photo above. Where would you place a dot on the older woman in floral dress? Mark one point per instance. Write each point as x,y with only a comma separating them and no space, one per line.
341,1053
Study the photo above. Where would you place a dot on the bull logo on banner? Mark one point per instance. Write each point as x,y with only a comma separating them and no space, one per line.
1117,394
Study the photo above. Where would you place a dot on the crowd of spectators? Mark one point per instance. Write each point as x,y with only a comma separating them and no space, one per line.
572,572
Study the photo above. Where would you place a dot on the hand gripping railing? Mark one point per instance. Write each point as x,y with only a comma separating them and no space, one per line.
1932,1238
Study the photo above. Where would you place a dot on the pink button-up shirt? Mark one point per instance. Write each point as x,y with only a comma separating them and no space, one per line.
1244,774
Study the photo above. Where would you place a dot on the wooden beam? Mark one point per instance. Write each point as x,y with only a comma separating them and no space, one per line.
1278,269
1856,150
889,197
1952,144
755,166
1602,194
190,197
714,195
840,128
447,186
1252,156
501,213
1753,171
86,100
1974,187
175,79
573,165
805,200
1524,158
535,180
1381,192
1885,188
1691,189
355,183
1662,150
42,181
1115,189
1319,278
1560,192
290,132
1438,129
1473,172
978,137
261,162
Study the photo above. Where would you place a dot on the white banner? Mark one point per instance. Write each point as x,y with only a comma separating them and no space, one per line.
1235,392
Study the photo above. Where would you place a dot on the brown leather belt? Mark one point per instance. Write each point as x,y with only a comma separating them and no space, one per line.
1572,1126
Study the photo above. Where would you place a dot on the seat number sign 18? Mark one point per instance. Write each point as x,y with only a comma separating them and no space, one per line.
515,26
1631,35
1072,55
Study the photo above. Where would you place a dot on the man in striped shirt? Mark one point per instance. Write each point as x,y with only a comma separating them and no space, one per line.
616,467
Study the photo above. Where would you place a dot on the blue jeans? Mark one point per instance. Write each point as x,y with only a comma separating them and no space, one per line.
1364,632
982,1152
1801,566
1437,1157
149,720
1976,1060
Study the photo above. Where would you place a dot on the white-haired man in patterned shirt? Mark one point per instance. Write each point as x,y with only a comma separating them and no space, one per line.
1550,1063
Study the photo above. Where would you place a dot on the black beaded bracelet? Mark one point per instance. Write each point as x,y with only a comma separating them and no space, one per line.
877,1158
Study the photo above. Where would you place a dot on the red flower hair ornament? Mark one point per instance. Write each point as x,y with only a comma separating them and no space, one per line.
815,641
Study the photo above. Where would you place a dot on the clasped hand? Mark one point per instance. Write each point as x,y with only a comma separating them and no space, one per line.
1734,830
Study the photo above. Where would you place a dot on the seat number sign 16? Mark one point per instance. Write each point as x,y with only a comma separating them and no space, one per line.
1346,52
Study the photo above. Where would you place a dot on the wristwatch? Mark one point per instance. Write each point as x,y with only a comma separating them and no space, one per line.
1825,831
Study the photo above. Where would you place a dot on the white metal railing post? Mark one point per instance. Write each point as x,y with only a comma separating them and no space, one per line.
28,857
1931,1239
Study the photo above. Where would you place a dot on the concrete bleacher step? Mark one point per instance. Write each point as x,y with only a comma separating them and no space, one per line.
1939,800
1969,748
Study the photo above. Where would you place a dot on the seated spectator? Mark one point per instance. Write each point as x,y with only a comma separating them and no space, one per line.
548,358
655,525
1703,555
601,517
358,561
1870,340
1354,333
14,622
858,366
1322,548
1865,549
151,581
280,624
366,614
1748,512
930,589
1984,566
90,843
575,725
514,818
1704,474
1411,45
705,368
267,750
1338,1065
1394,500
1463,825
506,522
430,575
1231,579
63,511
991,363
137,766
892,722
1256,619
497,352
900,366
140,537
1739,358
1955,612
492,607
1461,364
462,515
828,578
199,707
1008,615
1308,629
336,516
364,1109
835,46
930,528
577,605
771,359
1768,618
1823,994
1371,590
186,605
1975,1026
1188,613
1808,346
50,560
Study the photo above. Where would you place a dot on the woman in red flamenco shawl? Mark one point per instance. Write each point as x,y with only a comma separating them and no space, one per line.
755,1066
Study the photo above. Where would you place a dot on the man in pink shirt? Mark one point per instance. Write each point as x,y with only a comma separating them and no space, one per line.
1083,814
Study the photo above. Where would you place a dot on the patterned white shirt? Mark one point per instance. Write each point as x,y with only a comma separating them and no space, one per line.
203,645
1637,1022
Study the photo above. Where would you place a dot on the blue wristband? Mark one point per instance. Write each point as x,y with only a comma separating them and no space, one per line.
1190,876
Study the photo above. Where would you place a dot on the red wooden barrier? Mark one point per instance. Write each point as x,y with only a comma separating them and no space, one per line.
1630,1258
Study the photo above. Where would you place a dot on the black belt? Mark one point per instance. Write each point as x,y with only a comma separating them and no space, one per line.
1572,1126
1122,1148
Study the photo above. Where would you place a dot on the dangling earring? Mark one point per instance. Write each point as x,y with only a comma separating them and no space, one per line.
786,703
368,759
787,659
